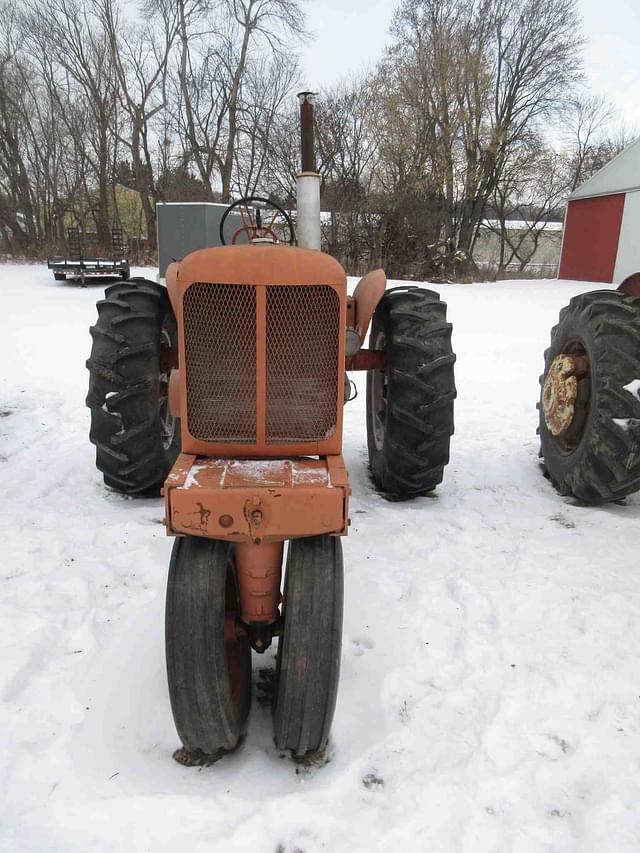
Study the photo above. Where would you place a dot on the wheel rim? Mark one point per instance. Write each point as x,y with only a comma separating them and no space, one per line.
566,395
168,362
378,398
235,642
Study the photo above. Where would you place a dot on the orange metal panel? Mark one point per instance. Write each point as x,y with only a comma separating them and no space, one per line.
368,293
171,279
261,379
262,266
259,569
257,500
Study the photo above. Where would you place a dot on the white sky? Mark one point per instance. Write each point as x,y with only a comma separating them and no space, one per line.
351,35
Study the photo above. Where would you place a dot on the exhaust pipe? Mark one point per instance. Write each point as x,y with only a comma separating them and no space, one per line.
308,181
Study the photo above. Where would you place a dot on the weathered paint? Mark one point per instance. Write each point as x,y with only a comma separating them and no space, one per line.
559,394
267,500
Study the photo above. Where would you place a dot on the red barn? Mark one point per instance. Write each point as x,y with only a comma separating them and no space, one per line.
601,240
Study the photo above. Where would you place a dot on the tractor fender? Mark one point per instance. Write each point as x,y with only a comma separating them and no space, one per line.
171,279
631,285
368,293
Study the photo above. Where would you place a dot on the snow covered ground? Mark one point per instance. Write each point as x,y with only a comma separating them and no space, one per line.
490,690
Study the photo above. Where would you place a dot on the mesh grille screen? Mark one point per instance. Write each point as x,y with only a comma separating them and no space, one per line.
220,345
302,363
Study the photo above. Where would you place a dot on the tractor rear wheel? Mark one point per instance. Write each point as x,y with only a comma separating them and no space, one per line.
410,402
208,657
590,398
308,659
134,350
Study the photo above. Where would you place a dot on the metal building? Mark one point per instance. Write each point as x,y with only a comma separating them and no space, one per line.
602,224
186,226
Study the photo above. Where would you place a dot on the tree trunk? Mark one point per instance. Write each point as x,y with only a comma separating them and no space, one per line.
227,168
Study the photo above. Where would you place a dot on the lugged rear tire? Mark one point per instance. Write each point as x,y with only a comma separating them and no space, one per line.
410,403
134,348
604,465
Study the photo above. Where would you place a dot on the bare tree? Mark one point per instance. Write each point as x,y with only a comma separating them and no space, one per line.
268,86
17,210
87,62
140,57
591,138
531,191
586,118
222,48
269,22
480,74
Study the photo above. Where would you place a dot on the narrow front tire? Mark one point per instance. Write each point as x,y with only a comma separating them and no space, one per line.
308,659
208,655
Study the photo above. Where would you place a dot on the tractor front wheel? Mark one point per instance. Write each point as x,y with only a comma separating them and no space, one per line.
410,402
308,660
208,654
135,347
590,398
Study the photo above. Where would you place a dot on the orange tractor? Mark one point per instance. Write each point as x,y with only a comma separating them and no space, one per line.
228,388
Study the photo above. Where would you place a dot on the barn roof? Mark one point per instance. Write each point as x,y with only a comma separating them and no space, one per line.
622,174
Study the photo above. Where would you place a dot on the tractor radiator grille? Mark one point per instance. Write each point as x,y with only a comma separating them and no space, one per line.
302,363
220,349
297,363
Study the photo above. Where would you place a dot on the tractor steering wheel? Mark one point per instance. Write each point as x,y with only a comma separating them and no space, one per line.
257,223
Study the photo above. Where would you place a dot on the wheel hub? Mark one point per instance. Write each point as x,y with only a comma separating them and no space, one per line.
559,394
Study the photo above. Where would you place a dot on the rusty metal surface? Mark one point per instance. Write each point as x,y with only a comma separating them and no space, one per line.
259,569
559,394
253,500
220,362
302,368
368,359
307,147
259,268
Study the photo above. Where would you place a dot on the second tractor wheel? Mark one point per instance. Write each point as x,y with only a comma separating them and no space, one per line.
410,403
135,347
308,661
590,398
208,657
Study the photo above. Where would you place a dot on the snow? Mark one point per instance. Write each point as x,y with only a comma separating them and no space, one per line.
490,690
192,476
523,224
633,388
